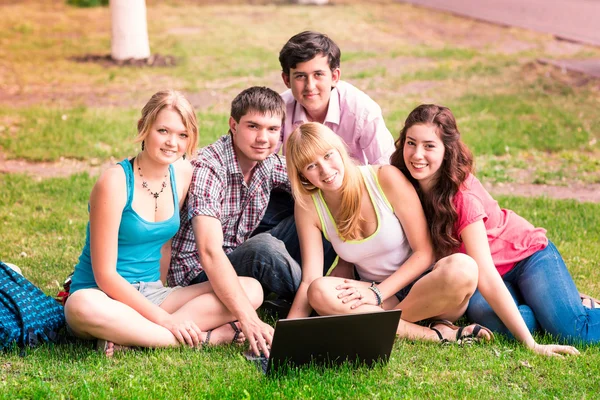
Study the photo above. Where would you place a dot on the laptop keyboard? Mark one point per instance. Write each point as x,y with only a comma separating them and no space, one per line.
261,361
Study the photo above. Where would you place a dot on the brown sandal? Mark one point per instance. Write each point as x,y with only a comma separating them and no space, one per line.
236,334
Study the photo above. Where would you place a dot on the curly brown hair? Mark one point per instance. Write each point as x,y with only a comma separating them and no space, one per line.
438,203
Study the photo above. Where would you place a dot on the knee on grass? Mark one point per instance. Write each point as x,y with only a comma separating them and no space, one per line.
84,309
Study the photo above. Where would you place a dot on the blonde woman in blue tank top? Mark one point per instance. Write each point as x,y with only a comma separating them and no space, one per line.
117,295
373,218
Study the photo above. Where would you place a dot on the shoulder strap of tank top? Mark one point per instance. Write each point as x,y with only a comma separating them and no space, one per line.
323,213
128,169
174,188
370,175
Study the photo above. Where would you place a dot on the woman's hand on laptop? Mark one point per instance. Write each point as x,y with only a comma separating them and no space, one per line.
259,334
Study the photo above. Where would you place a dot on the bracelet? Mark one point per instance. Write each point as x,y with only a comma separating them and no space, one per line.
377,292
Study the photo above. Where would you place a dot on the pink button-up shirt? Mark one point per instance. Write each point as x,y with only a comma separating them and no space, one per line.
352,115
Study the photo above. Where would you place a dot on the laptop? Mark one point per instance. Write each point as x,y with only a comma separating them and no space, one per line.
362,339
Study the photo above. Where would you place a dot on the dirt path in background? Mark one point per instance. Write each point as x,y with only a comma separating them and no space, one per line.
576,191
57,169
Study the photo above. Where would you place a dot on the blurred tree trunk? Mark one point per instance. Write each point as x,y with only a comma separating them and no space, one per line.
129,30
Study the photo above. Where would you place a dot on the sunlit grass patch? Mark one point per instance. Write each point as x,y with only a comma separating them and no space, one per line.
43,225
82,133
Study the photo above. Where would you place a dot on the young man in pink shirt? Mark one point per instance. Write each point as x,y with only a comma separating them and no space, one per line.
310,63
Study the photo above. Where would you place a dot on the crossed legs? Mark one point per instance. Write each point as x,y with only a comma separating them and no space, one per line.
444,293
90,313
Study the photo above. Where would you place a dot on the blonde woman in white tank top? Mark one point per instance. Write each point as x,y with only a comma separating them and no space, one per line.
374,220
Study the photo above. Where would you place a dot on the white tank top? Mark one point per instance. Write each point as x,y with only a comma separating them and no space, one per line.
379,255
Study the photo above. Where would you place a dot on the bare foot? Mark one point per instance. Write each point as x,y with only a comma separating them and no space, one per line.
109,348
225,334
589,301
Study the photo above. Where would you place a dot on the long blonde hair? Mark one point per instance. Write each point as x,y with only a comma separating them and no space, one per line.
304,145
176,101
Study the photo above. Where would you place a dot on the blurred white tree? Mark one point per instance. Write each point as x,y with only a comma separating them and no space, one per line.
129,30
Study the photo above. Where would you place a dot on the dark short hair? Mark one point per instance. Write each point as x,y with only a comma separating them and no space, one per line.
307,45
259,99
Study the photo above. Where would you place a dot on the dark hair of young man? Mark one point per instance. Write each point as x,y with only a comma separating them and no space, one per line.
305,46
257,99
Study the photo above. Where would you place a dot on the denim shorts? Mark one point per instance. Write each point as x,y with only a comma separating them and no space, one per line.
156,292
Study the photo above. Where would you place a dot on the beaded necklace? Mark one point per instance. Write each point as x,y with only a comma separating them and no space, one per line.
145,186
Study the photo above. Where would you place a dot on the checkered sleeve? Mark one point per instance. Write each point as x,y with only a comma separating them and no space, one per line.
206,192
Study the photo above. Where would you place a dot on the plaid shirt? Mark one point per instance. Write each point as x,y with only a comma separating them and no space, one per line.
218,190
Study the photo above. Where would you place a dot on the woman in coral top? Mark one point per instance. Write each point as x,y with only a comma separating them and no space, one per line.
523,282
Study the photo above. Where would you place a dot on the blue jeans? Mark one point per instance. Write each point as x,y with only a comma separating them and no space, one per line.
547,299
266,259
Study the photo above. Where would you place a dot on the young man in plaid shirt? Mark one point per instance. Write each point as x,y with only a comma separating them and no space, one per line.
228,196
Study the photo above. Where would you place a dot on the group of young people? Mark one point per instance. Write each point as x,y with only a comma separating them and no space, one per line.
409,225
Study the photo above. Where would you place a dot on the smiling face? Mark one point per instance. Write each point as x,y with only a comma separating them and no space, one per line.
311,83
326,171
423,154
168,138
255,137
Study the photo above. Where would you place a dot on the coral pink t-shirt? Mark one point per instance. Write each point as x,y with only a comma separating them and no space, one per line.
511,237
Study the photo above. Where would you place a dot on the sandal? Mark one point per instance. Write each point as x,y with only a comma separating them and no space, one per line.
236,334
461,337
207,338
237,331
594,303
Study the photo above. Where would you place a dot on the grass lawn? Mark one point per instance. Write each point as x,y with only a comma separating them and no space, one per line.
525,122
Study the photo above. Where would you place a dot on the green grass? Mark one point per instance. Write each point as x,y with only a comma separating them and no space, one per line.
82,133
525,123
415,370
46,220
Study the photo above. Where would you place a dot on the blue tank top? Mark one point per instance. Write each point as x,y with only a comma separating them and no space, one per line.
139,242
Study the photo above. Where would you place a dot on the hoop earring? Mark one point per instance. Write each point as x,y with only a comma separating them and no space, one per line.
143,145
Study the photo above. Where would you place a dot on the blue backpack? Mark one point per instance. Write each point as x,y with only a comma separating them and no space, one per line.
27,316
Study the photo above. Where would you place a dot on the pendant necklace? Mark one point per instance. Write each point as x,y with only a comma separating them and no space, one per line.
154,194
